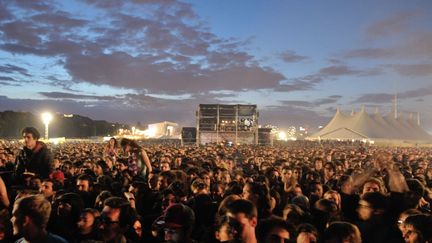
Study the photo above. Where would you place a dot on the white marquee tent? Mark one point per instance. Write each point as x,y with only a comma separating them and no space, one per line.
361,125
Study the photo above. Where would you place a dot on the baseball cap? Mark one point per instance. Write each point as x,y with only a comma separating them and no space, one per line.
178,216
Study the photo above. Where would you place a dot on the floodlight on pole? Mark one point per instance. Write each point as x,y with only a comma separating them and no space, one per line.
46,118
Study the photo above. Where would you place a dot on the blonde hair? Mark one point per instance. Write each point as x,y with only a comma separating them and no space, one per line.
36,207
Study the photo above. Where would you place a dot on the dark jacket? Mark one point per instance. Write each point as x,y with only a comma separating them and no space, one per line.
37,160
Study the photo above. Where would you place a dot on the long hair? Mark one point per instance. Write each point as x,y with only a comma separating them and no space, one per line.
262,192
116,143
132,143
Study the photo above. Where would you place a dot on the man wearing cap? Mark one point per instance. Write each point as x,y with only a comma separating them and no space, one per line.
177,224
35,158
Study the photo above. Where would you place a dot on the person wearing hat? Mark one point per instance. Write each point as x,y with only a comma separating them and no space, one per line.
176,224
58,176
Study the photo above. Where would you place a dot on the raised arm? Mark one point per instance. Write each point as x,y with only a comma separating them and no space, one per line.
397,182
146,160
3,194
359,179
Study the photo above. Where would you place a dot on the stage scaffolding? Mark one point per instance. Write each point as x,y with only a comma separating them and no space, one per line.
218,123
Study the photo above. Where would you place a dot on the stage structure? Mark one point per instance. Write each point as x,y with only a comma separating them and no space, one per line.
163,129
188,136
265,136
218,123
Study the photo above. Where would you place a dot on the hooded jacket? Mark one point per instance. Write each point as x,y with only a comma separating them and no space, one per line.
37,160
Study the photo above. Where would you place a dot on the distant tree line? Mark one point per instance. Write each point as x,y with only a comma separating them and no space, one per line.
11,124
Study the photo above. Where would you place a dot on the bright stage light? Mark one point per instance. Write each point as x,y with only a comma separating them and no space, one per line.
151,131
46,119
282,136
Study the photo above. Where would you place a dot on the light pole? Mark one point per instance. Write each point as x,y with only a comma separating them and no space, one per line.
46,118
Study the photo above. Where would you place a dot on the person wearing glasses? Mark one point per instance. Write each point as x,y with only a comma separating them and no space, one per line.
403,216
116,219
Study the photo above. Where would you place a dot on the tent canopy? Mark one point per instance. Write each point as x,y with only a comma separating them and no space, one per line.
361,125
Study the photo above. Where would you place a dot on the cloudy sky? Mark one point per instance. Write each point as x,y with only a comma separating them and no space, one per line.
153,60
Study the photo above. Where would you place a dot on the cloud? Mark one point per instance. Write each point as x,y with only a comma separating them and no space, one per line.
9,68
331,110
396,23
109,4
124,70
375,98
59,19
300,83
413,70
10,81
34,5
7,78
330,72
63,95
329,100
297,103
369,53
130,101
335,61
415,46
387,98
420,92
23,32
213,97
414,41
287,115
291,56
4,11
339,70
154,48
344,70
324,101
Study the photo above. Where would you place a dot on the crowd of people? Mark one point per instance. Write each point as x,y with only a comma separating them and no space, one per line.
129,191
